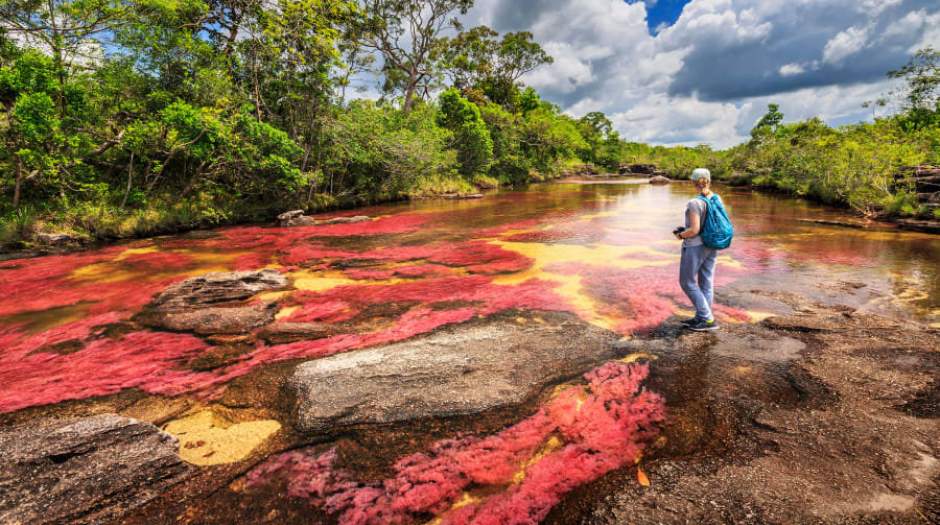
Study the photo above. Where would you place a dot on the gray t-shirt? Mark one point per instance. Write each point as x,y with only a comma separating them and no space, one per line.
696,206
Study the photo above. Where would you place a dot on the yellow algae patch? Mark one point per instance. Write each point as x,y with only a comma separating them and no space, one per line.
273,296
632,358
207,438
570,285
728,261
115,271
758,316
320,281
285,312
465,499
550,446
136,251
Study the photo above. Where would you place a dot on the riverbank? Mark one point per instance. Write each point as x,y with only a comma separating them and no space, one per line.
52,241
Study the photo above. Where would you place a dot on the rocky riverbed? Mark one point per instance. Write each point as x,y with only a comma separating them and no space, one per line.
515,357
822,414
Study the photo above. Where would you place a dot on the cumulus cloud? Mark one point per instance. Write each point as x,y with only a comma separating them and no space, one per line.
788,70
710,75
845,44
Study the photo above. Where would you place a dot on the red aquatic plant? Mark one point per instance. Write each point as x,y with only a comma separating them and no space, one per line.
104,365
595,429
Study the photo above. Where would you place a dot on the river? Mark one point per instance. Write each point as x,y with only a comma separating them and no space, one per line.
73,340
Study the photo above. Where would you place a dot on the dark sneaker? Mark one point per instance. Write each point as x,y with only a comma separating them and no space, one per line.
702,325
690,321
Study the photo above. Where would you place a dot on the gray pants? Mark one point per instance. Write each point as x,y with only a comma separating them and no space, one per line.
696,274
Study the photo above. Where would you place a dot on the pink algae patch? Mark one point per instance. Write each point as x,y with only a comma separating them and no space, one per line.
144,360
575,438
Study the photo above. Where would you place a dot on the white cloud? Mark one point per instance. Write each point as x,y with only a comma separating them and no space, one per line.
788,70
875,7
931,37
564,75
845,44
909,24
709,76
660,119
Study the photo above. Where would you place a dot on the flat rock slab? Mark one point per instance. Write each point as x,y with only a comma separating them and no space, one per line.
87,470
215,303
461,370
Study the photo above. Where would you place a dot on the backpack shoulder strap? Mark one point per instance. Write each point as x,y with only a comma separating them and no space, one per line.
705,200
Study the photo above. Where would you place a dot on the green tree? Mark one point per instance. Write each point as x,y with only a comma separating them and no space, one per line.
471,137
407,35
922,96
478,59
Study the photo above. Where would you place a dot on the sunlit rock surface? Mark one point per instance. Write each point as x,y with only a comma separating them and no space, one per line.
456,371
215,303
87,470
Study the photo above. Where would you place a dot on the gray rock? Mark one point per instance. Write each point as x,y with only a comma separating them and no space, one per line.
88,470
345,220
222,287
215,303
659,179
56,239
297,218
461,370
288,215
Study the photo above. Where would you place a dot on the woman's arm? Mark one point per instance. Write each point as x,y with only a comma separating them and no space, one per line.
695,224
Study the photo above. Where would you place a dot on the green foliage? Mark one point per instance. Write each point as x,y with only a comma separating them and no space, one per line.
922,97
852,165
768,124
372,152
471,136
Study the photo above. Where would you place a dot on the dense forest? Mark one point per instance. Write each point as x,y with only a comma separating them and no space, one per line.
121,118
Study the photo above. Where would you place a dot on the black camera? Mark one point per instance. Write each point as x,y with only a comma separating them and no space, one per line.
678,230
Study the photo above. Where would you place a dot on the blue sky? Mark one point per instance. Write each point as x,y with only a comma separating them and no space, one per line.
708,76
661,13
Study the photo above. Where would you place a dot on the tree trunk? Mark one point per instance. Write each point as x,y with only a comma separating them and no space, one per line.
130,175
19,182
410,95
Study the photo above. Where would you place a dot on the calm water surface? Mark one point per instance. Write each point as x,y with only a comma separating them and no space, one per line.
601,251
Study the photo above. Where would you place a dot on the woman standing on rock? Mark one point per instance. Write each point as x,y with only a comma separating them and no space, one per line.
697,266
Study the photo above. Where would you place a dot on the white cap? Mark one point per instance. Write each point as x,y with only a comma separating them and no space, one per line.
702,173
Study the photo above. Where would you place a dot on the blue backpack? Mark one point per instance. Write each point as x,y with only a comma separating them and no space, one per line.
717,230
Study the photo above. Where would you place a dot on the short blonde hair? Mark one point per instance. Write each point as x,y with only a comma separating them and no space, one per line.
702,173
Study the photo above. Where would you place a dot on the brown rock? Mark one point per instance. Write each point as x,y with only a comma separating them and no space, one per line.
215,303
659,179
281,333
345,220
88,470
229,320
459,196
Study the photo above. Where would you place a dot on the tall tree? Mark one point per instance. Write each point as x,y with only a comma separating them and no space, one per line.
407,35
72,31
478,58
922,95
